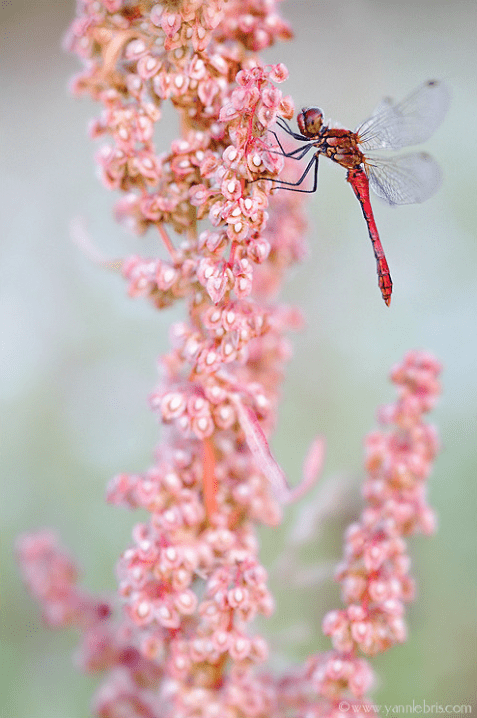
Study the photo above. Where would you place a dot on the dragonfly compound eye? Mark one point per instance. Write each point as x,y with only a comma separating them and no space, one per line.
310,120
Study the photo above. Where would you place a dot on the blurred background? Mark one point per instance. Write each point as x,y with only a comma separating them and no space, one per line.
79,357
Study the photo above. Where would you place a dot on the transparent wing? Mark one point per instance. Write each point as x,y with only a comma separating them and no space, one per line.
404,180
409,122
383,105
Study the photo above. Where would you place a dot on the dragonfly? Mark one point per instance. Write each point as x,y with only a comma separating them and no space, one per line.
398,179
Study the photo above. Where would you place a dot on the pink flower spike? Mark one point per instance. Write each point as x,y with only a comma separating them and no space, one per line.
260,449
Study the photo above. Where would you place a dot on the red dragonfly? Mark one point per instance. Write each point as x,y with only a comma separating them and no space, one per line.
403,179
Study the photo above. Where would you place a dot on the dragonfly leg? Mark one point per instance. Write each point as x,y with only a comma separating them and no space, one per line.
297,154
294,185
283,125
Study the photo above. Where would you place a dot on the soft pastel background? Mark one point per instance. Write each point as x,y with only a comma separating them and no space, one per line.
79,356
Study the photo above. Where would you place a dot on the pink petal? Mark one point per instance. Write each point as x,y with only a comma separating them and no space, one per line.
260,450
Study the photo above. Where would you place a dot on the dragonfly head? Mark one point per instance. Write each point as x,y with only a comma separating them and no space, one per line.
309,121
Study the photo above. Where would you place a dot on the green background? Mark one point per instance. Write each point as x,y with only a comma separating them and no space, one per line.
79,357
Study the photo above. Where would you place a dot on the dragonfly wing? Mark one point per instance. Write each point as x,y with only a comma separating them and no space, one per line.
385,104
409,122
407,179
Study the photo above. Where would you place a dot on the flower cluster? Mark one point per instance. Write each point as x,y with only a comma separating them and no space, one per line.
51,576
374,575
139,55
175,642
178,641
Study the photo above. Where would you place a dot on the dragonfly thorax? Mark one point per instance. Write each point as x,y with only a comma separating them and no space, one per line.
310,121
341,146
